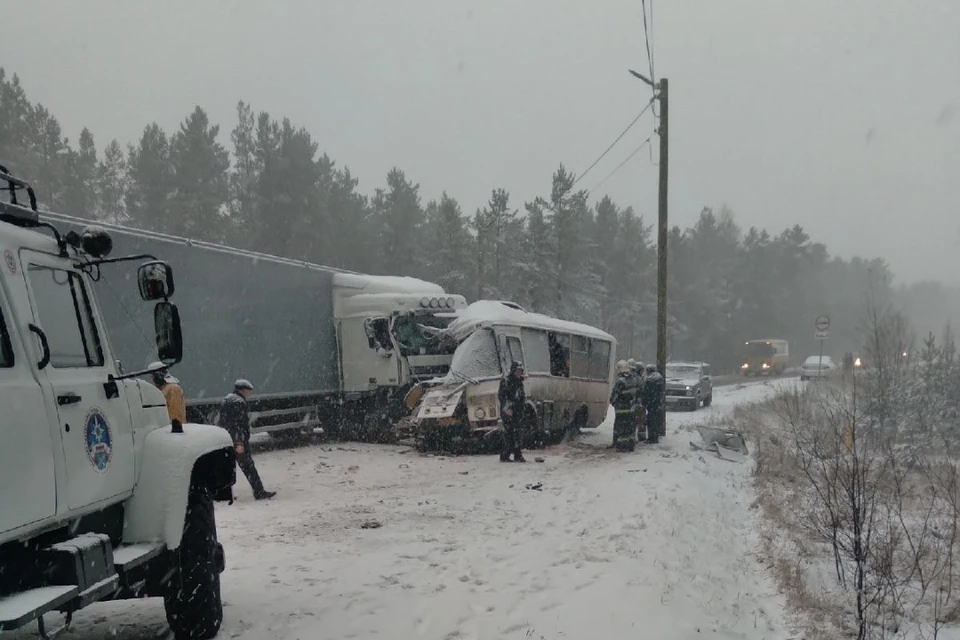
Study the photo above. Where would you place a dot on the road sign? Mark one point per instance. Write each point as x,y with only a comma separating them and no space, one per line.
823,323
822,335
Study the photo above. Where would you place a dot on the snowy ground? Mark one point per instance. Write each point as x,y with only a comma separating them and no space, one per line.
654,544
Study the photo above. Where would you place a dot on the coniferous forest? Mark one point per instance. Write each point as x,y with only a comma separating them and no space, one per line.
564,253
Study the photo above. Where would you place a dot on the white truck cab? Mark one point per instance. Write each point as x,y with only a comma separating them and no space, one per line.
101,497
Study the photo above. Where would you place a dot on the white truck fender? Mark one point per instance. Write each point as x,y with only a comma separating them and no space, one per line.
156,511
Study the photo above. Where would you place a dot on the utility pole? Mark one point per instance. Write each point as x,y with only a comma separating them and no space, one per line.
661,93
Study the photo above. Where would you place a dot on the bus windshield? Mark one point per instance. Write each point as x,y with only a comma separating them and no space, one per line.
477,357
758,349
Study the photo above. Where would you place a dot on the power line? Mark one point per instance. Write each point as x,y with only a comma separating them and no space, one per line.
623,133
620,166
646,37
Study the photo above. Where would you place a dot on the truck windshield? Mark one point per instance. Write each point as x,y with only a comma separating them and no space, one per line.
413,340
477,356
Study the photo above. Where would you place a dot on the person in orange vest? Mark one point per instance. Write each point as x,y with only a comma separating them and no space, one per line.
171,390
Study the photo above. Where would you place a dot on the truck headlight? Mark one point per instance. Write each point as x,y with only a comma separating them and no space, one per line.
856,362
765,366
479,413
745,365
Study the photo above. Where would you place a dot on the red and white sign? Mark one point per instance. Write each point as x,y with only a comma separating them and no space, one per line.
823,323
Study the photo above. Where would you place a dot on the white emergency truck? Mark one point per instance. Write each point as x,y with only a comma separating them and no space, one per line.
101,498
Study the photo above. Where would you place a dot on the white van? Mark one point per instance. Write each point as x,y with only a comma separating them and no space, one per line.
569,375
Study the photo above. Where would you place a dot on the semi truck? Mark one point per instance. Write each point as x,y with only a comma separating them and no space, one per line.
324,347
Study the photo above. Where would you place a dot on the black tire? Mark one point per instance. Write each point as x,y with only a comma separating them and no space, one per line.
696,403
708,400
192,602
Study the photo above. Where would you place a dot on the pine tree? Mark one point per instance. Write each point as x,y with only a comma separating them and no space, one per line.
449,262
150,180
81,197
199,182
399,219
112,184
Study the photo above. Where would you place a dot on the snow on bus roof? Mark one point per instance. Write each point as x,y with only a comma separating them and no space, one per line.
492,312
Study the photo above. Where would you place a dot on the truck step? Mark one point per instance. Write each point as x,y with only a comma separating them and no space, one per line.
130,556
18,609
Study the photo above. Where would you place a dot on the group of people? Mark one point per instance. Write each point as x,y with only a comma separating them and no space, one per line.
637,400
234,417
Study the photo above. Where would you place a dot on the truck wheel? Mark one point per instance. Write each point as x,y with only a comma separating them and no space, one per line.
708,400
192,602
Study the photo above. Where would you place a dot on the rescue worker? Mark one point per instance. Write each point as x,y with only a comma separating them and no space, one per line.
171,390
235,418
512,400
625,401
653,387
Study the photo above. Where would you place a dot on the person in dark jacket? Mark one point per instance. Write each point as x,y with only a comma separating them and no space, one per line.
625,399
653,387
235,418
512,400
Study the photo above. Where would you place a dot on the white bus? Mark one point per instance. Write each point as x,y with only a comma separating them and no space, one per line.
569,375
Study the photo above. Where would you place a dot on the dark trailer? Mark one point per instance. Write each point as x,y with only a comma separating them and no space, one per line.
244,315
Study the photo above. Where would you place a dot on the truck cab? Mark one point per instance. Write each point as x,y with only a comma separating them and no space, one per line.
96,480
390,330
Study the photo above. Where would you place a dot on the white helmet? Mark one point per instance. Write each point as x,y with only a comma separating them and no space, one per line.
622,366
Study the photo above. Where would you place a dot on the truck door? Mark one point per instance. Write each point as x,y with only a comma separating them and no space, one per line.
95,428
368,355
28,486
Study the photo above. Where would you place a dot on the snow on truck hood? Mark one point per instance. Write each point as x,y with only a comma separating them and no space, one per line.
491,312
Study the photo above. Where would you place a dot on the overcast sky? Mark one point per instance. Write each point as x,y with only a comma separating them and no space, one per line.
840,115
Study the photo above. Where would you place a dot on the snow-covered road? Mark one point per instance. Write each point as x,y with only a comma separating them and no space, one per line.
654,544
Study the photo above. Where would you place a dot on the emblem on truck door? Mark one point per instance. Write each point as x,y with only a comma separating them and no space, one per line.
10,261
98,439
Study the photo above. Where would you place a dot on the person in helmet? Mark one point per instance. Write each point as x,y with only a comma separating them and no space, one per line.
171,390
625,401
512,400
235,418
653,388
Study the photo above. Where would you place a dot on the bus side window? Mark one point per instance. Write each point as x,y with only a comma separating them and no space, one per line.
515,350
536,351
599,360
579,357
559,354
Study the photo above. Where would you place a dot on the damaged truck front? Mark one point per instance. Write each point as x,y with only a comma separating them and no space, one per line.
569,369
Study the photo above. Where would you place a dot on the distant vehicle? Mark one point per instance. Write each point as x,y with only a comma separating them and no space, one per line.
766,356
689,385
814,367
569,375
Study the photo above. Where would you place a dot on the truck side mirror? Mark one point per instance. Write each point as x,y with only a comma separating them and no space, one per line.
166,321
155,280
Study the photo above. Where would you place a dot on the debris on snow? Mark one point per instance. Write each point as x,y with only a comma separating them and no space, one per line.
727,444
